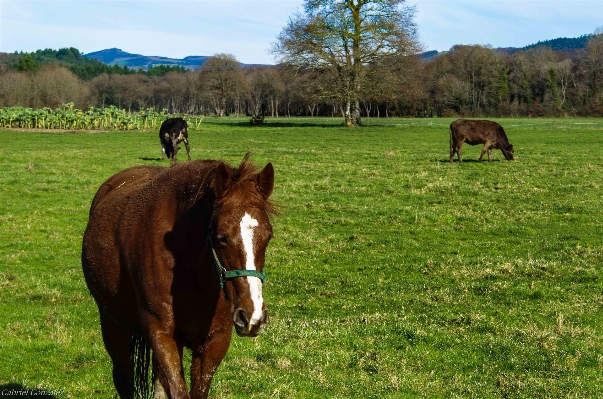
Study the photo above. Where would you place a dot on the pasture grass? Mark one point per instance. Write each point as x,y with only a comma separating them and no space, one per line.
392,274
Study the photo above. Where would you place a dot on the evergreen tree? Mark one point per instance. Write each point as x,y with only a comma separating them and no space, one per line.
27,63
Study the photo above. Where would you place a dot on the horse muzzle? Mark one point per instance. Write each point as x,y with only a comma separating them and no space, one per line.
246,326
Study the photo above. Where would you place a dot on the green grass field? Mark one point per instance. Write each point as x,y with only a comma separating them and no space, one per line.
392,273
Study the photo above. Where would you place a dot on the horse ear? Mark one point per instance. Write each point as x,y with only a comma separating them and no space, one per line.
266,180
221,179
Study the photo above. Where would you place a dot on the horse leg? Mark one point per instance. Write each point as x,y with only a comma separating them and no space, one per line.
117,343
458,151
158,390
167,364
452,151
205,362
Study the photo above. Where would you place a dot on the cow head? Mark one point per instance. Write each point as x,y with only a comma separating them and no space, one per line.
182,135
508,152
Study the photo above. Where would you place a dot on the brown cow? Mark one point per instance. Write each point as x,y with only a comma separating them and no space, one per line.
472,132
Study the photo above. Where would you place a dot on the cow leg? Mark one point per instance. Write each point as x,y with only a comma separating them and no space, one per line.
484,149
188,149
162,151
165,147
176,148
458,151
206,360
117,343
452,151
489,154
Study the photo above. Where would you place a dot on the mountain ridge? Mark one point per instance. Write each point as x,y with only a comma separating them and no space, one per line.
563,44
117,56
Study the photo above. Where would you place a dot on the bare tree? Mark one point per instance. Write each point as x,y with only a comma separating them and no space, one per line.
54,85
14,89
391,82
221,78
475,66
102,89
265,90
174,91
559,75
594,67
132,90
345,36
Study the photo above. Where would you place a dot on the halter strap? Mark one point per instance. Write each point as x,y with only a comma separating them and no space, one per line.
226,275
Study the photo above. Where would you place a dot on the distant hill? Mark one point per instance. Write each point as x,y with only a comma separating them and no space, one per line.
430,55
560,44
115,56
564,44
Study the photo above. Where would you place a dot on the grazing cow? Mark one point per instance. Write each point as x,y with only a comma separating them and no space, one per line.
172,132
488,133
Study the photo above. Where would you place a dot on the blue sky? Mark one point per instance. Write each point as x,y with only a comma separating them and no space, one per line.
246,28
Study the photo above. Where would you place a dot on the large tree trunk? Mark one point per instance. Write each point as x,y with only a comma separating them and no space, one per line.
352,114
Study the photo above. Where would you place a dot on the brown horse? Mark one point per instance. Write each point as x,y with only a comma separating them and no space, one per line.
173,258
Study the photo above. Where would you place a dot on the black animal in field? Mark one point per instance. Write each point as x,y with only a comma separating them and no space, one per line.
171,133
474,132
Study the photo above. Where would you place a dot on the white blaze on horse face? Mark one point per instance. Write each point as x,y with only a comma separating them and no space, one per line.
255,284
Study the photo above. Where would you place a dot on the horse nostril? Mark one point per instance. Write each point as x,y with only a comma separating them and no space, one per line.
240,318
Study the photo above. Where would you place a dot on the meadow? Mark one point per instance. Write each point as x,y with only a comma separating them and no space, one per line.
392,273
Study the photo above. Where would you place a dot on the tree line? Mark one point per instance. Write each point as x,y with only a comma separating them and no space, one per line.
470,81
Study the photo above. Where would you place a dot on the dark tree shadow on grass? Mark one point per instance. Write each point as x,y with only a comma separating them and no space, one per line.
468,161
17,390
275,124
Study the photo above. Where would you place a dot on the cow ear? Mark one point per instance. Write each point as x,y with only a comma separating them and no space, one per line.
265,180
221,180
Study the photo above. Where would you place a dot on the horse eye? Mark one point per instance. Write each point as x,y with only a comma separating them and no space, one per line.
223,239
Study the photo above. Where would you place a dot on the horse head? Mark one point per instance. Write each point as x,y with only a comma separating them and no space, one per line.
238,237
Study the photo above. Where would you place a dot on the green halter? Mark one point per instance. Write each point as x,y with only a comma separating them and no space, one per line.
226,275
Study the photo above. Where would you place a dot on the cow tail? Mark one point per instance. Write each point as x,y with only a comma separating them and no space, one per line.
140,355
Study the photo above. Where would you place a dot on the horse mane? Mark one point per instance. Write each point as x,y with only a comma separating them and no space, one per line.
243,189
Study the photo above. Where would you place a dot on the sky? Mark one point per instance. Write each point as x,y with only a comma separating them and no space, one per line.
247,28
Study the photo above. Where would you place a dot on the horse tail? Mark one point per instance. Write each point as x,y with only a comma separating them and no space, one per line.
140,355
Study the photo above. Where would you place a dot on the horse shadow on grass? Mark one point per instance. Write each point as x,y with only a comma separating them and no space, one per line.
17,390
149,159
